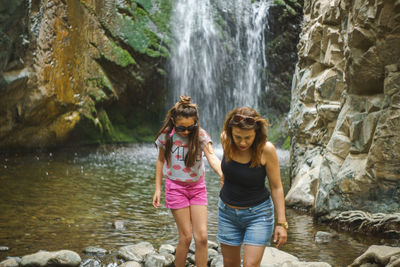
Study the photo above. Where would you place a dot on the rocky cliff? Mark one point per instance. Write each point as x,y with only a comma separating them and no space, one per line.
80,71
345,111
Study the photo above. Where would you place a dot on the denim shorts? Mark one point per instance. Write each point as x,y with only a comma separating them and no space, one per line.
251,226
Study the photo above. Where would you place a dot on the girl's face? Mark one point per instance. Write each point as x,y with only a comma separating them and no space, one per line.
184,126
243,138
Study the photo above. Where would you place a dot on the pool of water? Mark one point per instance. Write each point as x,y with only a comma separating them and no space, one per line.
70,198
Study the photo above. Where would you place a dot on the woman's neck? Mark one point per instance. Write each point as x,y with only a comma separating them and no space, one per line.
241,156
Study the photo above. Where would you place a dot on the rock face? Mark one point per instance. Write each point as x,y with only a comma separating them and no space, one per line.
80,71
345,108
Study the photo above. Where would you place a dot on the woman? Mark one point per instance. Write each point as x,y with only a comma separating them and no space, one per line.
182,143
246,207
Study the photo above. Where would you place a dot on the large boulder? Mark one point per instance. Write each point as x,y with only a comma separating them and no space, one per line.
345,113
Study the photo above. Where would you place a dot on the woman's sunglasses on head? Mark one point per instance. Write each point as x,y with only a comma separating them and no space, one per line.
183,128
236,119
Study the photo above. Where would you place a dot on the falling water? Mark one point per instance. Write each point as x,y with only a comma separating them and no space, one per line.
219,55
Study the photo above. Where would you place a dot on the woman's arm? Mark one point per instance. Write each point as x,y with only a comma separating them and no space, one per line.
212,159
277,194
158,179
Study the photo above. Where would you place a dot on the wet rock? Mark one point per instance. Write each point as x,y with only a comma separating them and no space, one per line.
169,259
212,245
323,237
130,264
302,264
166,248
274,256
192,247
381,255
136,252
217,262
119,225
156,260
212,253
90,263
191,258
95,251
43,258
10,262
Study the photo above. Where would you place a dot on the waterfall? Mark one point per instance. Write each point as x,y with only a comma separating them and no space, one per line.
219,56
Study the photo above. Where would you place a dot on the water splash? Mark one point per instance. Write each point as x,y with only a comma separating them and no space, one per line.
219,56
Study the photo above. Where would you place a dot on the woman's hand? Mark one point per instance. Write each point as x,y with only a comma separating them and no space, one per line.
280,235
156,199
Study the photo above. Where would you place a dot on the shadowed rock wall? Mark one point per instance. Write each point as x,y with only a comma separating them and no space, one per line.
345,108
79,71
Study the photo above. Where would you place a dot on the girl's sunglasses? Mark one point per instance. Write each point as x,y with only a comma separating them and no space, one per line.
183,128
236,119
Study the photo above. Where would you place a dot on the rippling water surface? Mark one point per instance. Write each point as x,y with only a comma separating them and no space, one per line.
69,199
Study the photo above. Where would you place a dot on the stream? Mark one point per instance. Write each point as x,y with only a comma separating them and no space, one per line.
70,198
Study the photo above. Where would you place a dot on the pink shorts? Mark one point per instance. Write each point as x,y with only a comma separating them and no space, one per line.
179,195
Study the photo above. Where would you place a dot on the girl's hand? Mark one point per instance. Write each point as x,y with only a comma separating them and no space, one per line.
221,181
280,236
156,199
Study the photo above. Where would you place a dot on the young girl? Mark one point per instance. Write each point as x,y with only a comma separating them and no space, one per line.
181,142
246,207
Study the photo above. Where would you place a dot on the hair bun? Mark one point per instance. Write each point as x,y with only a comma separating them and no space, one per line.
185,99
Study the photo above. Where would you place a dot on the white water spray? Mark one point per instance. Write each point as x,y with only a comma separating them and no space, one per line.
219,55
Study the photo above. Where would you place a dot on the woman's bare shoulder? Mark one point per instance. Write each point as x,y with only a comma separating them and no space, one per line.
269,150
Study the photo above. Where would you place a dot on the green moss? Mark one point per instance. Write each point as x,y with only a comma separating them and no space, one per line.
288,9
291,10
133,33
124,135
89,130
279,2
146,4
99,87
121,56
156,49
140,37
278,132
162,18
144,134
286,144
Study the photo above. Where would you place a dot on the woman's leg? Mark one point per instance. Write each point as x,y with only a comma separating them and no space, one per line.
199,223
231,255
252,255
182,219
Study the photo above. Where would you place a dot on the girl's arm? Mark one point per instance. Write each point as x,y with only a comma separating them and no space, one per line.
158,179
212,159
277,194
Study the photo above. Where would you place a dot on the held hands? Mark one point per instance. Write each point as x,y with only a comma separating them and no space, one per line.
280,235
156,199
221,181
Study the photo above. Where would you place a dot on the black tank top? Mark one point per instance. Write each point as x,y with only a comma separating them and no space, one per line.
243,186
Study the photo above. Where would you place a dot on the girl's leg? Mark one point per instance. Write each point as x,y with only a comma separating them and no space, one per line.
199,223
182,219
252,255
231,255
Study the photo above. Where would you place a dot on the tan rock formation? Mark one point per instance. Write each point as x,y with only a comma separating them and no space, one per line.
345,115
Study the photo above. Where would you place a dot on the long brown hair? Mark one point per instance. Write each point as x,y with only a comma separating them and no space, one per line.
186,109
260,128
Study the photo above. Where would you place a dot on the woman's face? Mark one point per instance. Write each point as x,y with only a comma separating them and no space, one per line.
243,138
184,126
